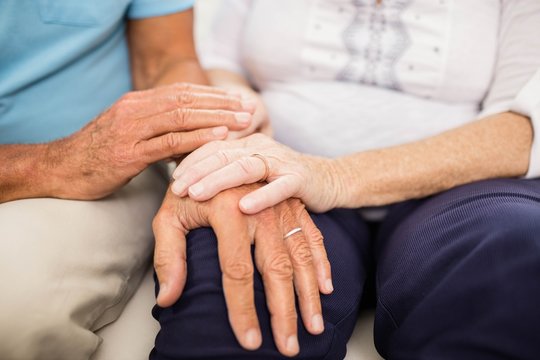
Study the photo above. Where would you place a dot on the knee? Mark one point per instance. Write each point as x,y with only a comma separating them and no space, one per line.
486,242
475,259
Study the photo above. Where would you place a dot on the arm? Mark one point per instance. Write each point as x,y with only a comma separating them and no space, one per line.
221,55
162,51
120,143
497,146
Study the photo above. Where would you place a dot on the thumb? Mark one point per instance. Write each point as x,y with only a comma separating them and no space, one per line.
169,260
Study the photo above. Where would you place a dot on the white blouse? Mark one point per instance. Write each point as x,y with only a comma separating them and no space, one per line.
342,76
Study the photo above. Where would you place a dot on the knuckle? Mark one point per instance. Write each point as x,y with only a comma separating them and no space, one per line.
316,237
182,115
186,98
246,165
290,315
301,254
223,157
171,141
222,114
121,155
280,266
267,216
246,310
185,86
162,259
238,270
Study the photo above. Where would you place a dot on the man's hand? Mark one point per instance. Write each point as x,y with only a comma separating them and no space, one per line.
141,128
297,262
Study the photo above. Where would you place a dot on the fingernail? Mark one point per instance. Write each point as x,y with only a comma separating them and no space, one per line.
253,339
328,285
247,204
242,118
317,323
178,187
196,190
248,105
292,344
220,131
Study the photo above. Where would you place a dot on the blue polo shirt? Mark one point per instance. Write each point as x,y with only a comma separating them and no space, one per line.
62,62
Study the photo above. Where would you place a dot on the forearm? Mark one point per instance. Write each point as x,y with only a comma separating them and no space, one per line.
169,71
162,51
494,147
22,172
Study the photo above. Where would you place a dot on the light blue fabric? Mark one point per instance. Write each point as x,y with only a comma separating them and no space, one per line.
62,62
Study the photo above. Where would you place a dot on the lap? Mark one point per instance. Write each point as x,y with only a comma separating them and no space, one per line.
68,267
457,274
199,318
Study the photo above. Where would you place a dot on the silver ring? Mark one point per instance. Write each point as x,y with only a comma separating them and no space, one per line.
266,166
292,232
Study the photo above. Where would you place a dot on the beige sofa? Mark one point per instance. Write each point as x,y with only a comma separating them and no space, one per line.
132,336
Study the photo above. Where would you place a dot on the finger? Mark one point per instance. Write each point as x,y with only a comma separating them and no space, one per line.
275,267
246,170
183,119
305,277
169,259
234,249
189,87
211,149
176,88
269,195
206,167
177,143
188,99
144,103
315,240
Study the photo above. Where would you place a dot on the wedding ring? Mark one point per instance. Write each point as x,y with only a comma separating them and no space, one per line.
266,166
292,232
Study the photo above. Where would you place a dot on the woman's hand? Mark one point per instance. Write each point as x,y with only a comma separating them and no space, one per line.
236,83
260,122
298,261
221,165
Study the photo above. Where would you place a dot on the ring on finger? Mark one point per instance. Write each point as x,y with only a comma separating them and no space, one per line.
266,166
292,232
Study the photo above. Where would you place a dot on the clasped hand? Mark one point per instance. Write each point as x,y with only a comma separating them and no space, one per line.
139,129
296,262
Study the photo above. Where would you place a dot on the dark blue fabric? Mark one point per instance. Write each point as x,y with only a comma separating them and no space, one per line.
457,277
196,327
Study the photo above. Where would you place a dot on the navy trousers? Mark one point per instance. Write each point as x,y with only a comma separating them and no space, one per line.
457,276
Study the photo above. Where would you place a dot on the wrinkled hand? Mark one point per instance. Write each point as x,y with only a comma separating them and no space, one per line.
260,121
298,260
221,165
139,129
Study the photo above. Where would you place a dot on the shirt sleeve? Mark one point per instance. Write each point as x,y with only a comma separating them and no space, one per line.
221,47
140,9
516,83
